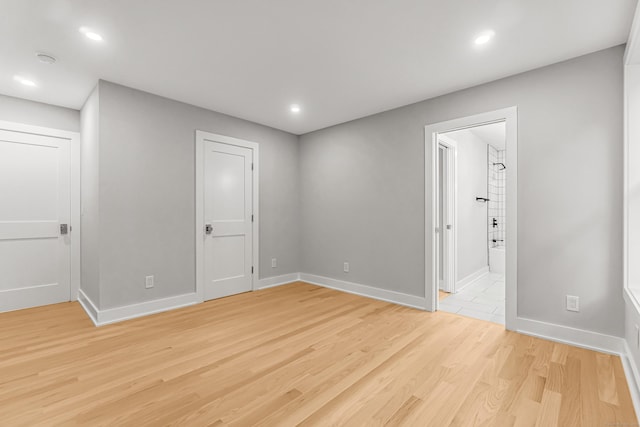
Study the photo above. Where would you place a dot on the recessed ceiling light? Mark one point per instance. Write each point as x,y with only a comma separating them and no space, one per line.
90,34
45,58
24,81
295,108
484,37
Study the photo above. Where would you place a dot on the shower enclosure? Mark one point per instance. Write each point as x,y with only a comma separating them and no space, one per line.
496,173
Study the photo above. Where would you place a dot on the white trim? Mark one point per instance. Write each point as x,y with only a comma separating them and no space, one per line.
74,194
476,275
270,282
510,117
631,59
365,291
118,314
199,217
201,137
631,299
75,219
632,375
37,130
88,306
630,73
572,336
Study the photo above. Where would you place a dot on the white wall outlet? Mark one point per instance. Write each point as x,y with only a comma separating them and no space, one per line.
346,267
274,262
573,303
148,282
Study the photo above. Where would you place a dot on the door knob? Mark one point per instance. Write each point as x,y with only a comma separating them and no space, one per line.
208,228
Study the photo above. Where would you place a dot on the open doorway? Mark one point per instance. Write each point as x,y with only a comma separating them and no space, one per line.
472,273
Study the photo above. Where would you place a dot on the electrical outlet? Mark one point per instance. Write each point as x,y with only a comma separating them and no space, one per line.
573,303
148,282
274,262
346,267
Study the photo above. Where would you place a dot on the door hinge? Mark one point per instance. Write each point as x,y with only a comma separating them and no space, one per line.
251,217
251,269
251,166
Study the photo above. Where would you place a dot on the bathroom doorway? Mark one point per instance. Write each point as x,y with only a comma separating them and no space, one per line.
470,182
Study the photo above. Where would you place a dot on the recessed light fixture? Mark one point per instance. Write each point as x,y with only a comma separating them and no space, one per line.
90,34
484,37
295,108
25,81
46,58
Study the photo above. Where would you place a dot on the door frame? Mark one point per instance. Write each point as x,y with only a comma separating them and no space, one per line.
74,194
510,117
201,138
449,245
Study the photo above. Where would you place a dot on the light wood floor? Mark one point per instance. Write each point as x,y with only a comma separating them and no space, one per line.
297,355
442,294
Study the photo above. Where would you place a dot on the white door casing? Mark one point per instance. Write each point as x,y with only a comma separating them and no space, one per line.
226,215
36,198
510,117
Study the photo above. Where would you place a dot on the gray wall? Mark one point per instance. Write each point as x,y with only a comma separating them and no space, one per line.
147,194
363,191
471,232
38,114
89,178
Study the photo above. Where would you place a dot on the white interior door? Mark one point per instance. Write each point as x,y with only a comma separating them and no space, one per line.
35,253
445,211
228,210
441,185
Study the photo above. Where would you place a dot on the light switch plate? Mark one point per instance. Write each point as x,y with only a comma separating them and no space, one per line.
148,282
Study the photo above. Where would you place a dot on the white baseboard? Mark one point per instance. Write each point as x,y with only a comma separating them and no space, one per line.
118,314
89,306
270,282
572,336
462,283
366,291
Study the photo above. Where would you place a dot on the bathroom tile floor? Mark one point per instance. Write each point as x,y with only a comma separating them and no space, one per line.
482,299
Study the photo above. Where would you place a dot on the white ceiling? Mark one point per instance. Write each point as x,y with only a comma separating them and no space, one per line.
338,59
494,134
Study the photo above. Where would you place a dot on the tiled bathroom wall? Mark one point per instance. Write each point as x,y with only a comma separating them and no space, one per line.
496,193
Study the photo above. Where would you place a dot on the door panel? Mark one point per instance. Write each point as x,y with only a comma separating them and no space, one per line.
228,209
445,211
35,199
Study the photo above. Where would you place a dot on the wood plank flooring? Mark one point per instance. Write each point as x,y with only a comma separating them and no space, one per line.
297,355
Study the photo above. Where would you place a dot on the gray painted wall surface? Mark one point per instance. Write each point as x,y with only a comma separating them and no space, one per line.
89,177
38,114
147,194
363,191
